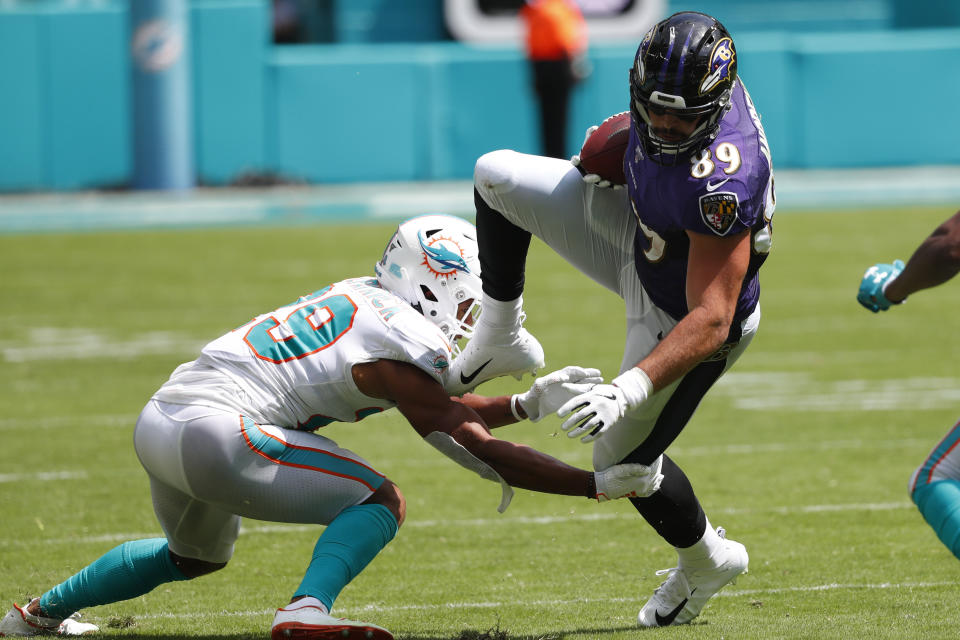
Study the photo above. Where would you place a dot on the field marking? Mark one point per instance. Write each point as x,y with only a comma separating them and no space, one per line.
800,391
43,476
269,529
727,593
57,343
58,422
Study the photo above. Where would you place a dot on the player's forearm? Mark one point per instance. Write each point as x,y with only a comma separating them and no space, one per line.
696,337
495,411
527,468
933,263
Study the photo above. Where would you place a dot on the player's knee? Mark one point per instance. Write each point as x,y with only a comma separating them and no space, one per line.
390,496
493,172
194,567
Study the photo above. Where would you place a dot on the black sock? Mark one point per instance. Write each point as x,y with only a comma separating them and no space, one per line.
503,252
674,510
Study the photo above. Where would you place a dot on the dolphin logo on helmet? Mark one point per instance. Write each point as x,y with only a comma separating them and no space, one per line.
439,258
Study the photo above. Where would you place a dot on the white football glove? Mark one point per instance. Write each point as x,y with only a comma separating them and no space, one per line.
592,178
550,392
627,481
594,411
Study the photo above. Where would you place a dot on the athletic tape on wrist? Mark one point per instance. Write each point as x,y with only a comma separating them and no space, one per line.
515,400
635,384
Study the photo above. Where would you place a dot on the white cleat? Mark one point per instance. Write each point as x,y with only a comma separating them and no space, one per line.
309,622
685,592
19,622
489,355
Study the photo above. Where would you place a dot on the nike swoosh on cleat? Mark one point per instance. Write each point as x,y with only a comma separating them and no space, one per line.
468,379
667,620
714,187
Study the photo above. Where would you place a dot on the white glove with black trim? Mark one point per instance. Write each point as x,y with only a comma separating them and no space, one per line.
592,178
551,391
627,481
594,411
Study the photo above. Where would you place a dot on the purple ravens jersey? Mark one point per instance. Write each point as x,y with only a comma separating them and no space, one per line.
723,189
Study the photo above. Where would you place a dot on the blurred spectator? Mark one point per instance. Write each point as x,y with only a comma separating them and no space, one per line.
287,22
556,45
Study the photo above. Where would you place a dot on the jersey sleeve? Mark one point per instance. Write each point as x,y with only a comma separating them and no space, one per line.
724,210
725,205
416,340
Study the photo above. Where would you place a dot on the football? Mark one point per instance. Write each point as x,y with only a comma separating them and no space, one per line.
602,153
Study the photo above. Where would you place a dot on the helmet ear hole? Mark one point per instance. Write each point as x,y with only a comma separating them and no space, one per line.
427,293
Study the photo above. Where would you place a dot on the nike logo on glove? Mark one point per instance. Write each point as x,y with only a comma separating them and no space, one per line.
667,620
468,379
714,187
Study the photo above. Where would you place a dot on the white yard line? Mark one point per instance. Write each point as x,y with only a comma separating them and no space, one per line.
727,593
42,476
273,529
60,422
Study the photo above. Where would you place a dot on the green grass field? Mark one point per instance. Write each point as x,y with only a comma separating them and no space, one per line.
802,452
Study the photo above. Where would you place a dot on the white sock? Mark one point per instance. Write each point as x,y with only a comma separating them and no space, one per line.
307,601
498,314
701,553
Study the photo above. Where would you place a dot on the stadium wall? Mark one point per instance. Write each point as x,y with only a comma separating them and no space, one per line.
385,112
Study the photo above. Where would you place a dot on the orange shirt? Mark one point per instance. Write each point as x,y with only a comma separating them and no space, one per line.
555,29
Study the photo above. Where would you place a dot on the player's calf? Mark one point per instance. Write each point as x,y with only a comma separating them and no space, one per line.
939,502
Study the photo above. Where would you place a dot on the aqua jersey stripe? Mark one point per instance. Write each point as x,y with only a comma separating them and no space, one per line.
940,452
276,450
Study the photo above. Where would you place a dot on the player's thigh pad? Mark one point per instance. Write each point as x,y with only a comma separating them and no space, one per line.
193,528
591,228
262,471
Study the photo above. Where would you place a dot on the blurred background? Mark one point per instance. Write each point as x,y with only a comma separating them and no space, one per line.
176,94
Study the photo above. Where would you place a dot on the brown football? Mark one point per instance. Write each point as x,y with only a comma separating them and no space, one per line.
602,153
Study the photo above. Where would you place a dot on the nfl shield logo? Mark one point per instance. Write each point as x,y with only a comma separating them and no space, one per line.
719,210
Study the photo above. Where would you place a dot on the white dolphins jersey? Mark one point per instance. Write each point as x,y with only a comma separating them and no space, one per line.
292,367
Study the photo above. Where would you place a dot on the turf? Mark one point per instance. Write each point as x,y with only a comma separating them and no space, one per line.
802,452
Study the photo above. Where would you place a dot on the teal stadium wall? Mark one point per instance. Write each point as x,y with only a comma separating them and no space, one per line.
355,111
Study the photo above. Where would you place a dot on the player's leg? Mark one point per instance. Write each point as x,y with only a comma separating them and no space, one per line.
935,488
347,545
706,560
138,566
281,475
517,195
126,571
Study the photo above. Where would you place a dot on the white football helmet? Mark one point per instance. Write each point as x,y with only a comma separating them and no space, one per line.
433,263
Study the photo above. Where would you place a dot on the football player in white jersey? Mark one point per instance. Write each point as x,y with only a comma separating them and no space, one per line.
231,435
935,485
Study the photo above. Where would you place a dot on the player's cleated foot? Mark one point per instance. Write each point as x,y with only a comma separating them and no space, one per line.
683,595
20,622
308,622
488,355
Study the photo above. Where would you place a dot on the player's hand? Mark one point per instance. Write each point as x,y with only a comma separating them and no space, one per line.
593,412
874,284
550,392
592,178
627,481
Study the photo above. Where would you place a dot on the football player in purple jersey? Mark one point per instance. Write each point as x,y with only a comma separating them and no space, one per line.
682,244
935,485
